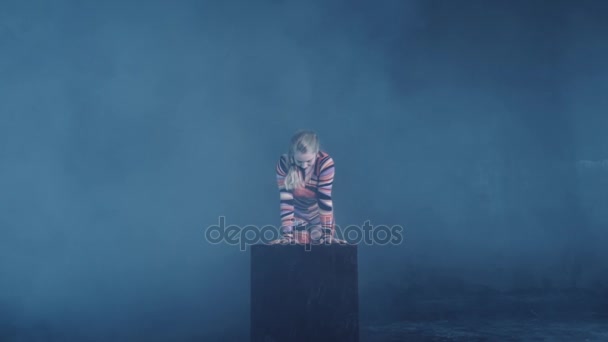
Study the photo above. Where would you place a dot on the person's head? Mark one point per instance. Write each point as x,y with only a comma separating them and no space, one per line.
302,153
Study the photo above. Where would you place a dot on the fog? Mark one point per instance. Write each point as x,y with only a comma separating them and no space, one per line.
127,129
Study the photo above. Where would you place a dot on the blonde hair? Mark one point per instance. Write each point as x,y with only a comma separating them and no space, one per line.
304,142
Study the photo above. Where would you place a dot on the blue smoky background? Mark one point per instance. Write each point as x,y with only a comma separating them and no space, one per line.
127,128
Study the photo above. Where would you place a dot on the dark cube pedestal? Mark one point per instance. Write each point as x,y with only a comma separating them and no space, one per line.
301,293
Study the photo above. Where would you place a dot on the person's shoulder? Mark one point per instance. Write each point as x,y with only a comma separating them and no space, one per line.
323,155
325,160
282,164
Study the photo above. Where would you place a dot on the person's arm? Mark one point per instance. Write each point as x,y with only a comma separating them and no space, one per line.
326,207
286,199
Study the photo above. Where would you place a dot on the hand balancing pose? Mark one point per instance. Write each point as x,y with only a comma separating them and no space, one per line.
305,177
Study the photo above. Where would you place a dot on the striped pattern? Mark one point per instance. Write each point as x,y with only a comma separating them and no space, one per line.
311,205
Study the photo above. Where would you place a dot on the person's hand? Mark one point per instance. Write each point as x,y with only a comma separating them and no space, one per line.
285,240
333,240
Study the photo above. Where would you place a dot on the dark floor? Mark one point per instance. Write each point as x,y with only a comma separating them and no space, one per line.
477,330
569,316
455,330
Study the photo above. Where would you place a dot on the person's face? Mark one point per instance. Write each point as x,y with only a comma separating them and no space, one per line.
304,160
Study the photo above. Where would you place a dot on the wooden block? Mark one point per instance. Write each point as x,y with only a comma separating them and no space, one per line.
303,293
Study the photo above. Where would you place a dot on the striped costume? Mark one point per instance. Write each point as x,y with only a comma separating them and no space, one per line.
306,209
